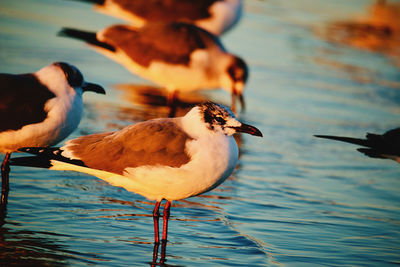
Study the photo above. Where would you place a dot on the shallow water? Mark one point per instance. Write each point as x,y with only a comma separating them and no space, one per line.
293,200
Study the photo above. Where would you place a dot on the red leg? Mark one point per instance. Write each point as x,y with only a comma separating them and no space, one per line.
155,254
166,217
163,252
156,216
171,102
5,170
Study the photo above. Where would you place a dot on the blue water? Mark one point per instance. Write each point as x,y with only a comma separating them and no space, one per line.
293,200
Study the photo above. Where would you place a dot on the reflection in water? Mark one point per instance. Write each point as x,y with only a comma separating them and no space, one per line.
378,30
23,248
163,253
30,248
153,104
155,99
4,193
289,204
183,203
159,256
357,73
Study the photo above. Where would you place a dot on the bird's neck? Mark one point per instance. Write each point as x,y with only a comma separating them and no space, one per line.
194,125
54,79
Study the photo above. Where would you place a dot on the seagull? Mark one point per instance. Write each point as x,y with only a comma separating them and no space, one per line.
160,159
40,108
215,16
177,55
385,146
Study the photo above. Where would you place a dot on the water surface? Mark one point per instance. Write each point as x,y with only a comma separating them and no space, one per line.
293,200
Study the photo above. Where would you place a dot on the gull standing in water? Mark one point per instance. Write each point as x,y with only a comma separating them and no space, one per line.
39,109
167,158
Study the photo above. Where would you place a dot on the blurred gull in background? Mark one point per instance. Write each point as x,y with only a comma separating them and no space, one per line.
177,56
215,16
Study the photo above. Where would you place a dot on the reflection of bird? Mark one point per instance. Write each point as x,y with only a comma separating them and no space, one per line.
179,56
216,16
169,158
153,99
377,30
40,109
386,146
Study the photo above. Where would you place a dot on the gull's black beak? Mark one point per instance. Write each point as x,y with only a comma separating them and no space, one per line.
245,128
242,102
92,87
233,103
235,94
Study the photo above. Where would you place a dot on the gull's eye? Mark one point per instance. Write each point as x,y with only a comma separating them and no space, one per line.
220,120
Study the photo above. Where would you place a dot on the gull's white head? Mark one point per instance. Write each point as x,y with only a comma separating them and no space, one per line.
61,78
220,119
75,78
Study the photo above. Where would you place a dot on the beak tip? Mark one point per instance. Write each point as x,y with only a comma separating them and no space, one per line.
234,95
245,128
92,87
257,133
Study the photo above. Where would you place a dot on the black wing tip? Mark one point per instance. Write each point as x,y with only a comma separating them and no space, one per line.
87,36
327,136
372,153
330,137
75,33
40,150
30,150
31,161
97,2
24,149
379,153
345,139
40,160
65,31
44,155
